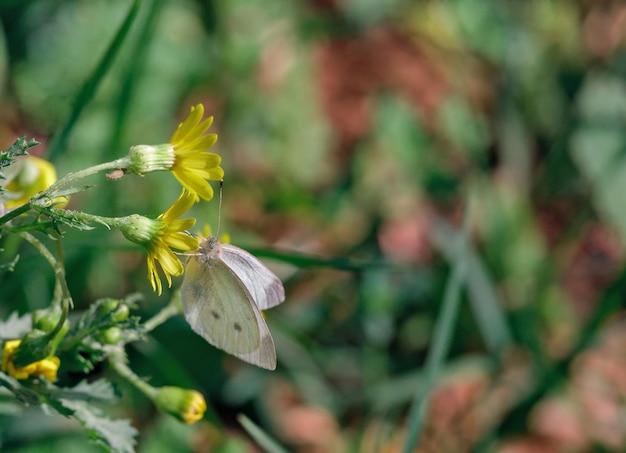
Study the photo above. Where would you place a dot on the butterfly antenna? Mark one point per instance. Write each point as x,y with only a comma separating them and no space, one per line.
219,211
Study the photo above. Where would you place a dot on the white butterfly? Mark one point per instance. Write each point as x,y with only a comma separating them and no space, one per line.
223,292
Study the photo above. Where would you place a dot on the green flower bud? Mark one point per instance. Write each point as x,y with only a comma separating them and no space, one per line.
114,308
186,405
107,307
139,229
112,335
46,320
121,314
148,158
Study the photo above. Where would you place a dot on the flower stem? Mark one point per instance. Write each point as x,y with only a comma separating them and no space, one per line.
75,176
14,213
118,361
174,308
59,272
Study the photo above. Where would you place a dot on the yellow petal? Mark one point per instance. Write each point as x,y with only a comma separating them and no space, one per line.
215,173
182,242
153,276
196,113
169,262
195,184
196,144
179,225
180,206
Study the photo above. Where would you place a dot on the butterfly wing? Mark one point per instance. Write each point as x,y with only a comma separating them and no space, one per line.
219,308
265,288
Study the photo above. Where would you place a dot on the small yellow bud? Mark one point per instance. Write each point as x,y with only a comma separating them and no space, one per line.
186,405
25,178
47,367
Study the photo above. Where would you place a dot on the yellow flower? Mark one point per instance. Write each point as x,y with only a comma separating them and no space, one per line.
186,405
31,175
194,166
160,236
185,156
47,367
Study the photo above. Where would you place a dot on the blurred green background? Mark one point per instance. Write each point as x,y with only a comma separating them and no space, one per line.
356,137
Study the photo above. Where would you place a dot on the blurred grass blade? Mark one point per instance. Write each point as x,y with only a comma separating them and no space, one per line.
442,336
483,296
305,261
134,68
260,436
86,94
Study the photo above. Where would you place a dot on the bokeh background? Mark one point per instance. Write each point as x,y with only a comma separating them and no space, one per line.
415,172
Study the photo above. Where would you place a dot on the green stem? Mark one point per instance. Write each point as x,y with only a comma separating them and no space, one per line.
37,226
172,309
75,176
14,213
118,361
59,272
78,215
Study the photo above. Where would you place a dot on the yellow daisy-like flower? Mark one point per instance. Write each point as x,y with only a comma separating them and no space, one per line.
185,156
193,166
160,236
32,174
47,367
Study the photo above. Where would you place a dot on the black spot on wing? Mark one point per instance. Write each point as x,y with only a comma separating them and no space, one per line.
237,327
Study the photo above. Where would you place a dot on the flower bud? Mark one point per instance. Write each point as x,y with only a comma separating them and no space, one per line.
47,367
121,314
148,158
186,405
46,319
139,229
112,335
25,178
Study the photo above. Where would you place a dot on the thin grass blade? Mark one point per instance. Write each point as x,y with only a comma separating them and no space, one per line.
87,92
442,337
261,437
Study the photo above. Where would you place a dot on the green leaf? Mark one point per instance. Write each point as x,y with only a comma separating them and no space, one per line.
598,145
23,394
36,345
100,390
114,435
18,148
64,216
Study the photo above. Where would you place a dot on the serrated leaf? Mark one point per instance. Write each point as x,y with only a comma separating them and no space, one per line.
70,191
15,326
26,395
84,357
69,218
100,390
9,382
18,148
115,435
